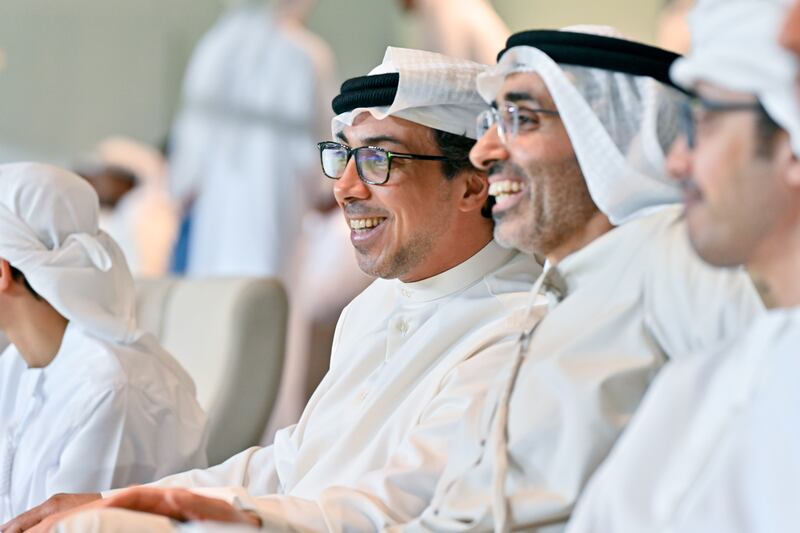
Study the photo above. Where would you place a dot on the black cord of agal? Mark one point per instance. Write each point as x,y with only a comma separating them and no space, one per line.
367,91
607,53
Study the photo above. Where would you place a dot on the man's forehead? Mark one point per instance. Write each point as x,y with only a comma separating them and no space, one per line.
715,92
525,87
366,129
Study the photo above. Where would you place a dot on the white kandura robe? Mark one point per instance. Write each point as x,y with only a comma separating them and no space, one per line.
636,296
374,437
99,416
715,446
256,99
326,278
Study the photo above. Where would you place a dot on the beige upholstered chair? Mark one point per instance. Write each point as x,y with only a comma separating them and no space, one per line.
229,334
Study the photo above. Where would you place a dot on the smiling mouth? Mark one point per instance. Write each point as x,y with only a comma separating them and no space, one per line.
502,190
364,225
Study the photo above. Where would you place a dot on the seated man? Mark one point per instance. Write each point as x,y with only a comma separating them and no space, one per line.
715,444
575,149
88,401
409,351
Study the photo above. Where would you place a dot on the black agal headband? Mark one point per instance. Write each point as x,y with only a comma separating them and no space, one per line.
367,91
597,51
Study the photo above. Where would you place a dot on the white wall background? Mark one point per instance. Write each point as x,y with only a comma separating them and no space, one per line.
75,71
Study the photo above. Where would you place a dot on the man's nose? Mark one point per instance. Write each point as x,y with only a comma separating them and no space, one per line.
350,186
488,150
679,159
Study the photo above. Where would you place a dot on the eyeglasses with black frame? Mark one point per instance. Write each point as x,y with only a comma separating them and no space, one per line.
696,106
373,164
511,119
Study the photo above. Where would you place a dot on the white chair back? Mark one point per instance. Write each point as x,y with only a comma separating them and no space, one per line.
229,334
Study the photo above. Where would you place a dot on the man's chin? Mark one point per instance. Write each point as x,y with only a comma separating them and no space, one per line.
508,236
368,264
716,246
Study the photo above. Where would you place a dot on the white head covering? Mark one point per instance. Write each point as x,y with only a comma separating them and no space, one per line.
49,232
144,162
621,126
735,46
434,90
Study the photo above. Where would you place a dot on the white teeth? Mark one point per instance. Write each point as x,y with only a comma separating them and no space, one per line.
504,188
364,223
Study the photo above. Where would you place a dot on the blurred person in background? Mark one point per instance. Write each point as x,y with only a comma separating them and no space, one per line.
255,99
135,207
468,29
672,32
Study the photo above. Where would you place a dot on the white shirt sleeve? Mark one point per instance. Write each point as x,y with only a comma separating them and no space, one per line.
253,469
404,487
117,432
120,431
101,436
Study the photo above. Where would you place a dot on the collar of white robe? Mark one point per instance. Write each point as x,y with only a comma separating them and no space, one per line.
431,89
617,105
49,231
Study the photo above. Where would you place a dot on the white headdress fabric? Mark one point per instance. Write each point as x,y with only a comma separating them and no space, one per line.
735,46
143,161
49,232
436,91
621,126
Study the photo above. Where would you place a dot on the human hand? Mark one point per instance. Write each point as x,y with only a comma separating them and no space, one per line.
55,505
180,504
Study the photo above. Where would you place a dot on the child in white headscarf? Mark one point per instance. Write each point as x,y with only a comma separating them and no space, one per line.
87,400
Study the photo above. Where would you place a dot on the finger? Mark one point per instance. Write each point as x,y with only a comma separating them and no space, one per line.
196,507
55,504
25,521
146,500
45,526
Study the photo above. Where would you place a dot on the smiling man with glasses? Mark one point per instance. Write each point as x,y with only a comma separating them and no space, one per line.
409,353
373,164
574,146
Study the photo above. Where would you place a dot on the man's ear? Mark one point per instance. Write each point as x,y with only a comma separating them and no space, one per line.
5,275
475,190
793,171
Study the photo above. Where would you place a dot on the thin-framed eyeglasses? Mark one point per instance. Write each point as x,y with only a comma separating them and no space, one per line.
511,120
373,164
696,106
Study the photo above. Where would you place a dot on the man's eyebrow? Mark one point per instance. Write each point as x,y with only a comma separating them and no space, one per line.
518,96
378,139
342,137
